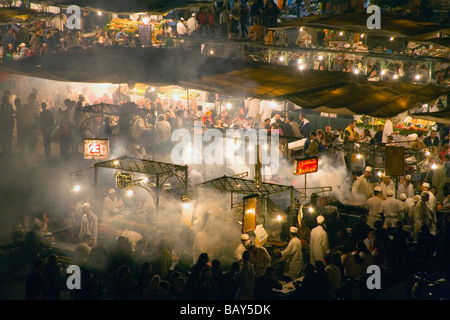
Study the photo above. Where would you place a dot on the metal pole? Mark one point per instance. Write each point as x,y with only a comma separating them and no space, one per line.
158,192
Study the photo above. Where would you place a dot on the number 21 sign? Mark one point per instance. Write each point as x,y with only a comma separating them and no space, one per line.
96,149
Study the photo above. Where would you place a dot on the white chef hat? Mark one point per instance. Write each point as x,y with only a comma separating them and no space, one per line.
426,184
111,191
320,219
390,192
402,197
369,169
293,229
245,237
408,177
417,198
377,189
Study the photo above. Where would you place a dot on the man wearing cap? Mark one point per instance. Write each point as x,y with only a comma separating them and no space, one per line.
192,24
406,187
293,255
408,207
362,184
385,185
392,209
89,225
373,205
319,245
111,204
432,204
241,247
422,213
23,53
181,27
259,257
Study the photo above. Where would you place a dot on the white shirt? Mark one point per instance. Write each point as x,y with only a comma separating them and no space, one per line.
385,187
387,131
181,28
265,110
408,190
294,255
392,210
192,25
253,106
373,205
89,226
238,252
319,245
110,207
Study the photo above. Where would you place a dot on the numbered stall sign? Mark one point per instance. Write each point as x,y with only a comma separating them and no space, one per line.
96,149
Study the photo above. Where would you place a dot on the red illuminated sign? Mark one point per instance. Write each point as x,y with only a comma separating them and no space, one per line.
307,166
96,149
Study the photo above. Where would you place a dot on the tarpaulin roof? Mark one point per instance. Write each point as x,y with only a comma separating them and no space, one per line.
390,25
443,42
132,6
439,117
13,15
337,92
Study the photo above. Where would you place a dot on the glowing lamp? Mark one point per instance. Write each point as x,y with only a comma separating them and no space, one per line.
311,209
301,67
358,156
341,34
99,13
434,166
211,52
395,76
356,71
300,61
320,57
129,192
228,105
391,39
417,77
279,218
146,20
281,58
77,188
383,72
250,212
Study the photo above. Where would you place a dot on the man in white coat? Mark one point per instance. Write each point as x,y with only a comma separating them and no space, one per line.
392,209
406,187
253,105
373,204
432,204
362,185
111,204
241,247
319,245
385,185
293,256
89,225
192,24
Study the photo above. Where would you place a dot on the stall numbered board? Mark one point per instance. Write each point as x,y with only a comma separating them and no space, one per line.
96,149
395,161
124,180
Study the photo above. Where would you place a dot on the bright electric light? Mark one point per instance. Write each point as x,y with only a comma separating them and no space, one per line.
211,52
356,71
99,13
300,61
362,36
250,148
281,58
146,20
130,193
301,67
320,57
417,77
427,153
279,218
391,39
341,33
265,147
116,162
383,72
301,29
357,145
434,166
379,173
152,89
77,188
358,156
228,105
273,105
395,76
145,180
187,205
311,209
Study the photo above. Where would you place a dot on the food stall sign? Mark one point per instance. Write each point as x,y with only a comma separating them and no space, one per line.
124,180
249,214
395,161
96,149
308,165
